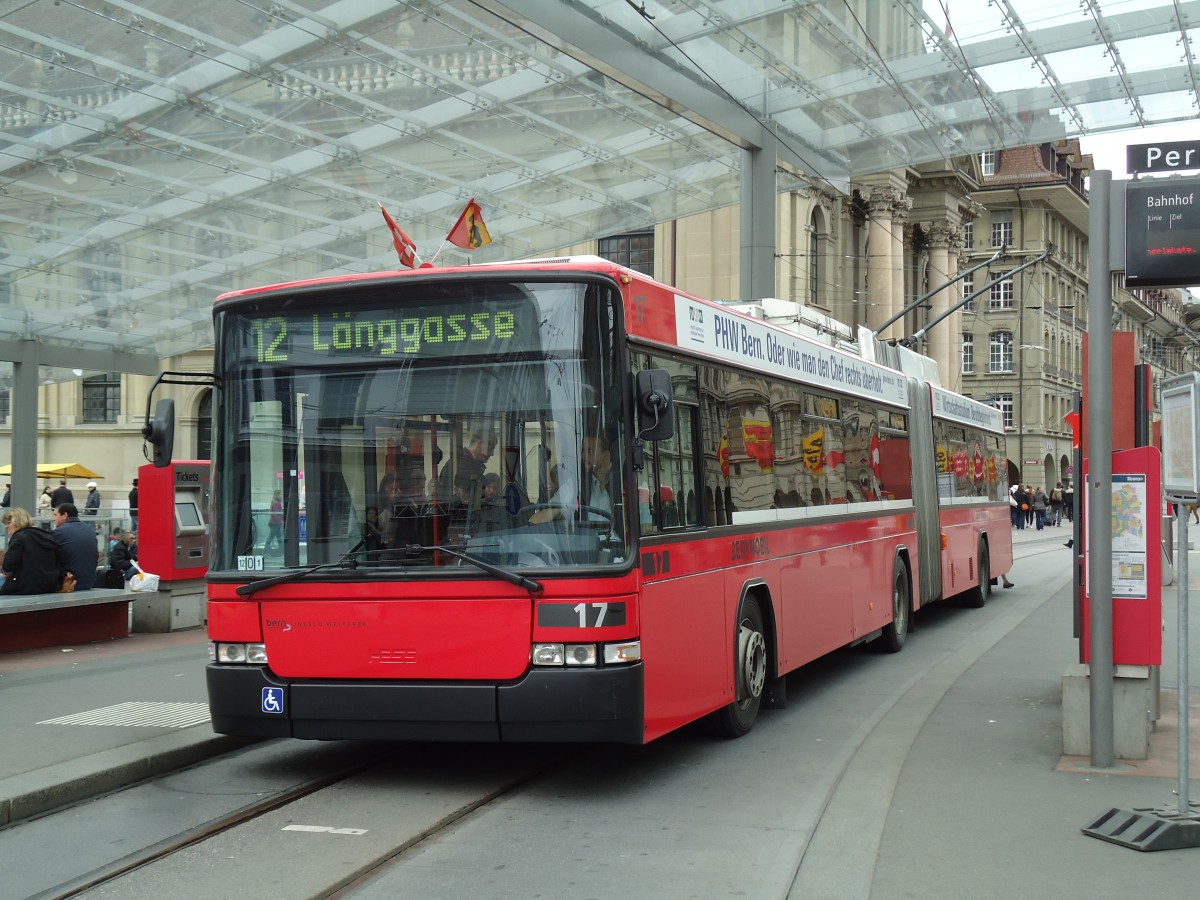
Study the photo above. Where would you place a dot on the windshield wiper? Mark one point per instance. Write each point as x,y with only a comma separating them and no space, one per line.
349,562
534,587
253,587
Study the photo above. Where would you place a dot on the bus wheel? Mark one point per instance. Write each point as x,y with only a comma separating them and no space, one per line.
978,596
750,664
894,633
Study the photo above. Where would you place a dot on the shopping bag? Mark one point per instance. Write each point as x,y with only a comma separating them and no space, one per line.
143,582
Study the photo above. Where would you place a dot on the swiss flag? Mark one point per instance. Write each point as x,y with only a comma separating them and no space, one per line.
405,248
1072,419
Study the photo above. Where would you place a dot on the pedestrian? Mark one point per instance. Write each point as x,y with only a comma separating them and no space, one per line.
1021,499
275,525
1069,501
1039,504
1029,504
91,503
62,494
133,506
6,501
81,557
33,561
44,504
1056,505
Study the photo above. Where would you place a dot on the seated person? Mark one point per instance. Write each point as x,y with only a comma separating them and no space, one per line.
597,470
33,560
80,554
492,515
121,559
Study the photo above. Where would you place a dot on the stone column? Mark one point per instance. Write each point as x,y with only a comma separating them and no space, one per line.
940,344
886,208
900,209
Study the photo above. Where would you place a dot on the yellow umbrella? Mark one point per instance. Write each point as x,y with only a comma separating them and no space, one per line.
58,470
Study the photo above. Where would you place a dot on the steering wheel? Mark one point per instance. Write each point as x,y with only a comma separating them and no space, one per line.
581,514
584,511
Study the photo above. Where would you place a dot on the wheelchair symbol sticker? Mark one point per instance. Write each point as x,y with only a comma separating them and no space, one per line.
272,700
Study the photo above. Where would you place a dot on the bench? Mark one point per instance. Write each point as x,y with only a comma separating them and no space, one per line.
31,621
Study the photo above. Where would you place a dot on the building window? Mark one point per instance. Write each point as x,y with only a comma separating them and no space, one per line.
1004,403
1001,295
816,263
636,251
968,235
204,430
968,354
968,288
5,405
987,162
1000,352
1002,227
102,397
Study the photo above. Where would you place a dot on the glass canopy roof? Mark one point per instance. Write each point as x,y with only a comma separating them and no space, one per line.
155,154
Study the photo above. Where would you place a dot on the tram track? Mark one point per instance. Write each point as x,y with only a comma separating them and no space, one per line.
195,835
127,875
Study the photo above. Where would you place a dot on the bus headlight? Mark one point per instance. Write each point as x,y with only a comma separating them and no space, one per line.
581,654
256,654
548,655
237,654
586,654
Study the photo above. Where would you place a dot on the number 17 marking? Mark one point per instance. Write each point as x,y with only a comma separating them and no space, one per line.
582,609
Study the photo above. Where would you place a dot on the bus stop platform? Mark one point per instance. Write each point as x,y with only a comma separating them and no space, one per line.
972,810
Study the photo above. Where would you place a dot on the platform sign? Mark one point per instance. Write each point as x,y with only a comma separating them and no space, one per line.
1166,157
1181,453
1162,232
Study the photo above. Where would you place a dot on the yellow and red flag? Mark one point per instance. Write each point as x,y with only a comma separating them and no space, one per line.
812,448
760,445
406,249
469,232
723,454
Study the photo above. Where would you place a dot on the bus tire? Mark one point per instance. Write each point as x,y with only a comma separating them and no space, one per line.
896,631
750,672
978,596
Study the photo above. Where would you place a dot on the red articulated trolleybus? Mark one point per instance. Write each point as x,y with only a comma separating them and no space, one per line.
555,500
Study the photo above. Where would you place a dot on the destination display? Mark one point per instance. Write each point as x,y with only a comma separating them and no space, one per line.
380,335
1162,232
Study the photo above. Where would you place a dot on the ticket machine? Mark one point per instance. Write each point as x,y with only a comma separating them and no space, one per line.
173,511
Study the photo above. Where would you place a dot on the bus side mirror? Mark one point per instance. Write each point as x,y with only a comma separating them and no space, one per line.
160,432
656,418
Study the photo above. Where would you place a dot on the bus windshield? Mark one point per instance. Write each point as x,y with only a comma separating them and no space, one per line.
382,424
